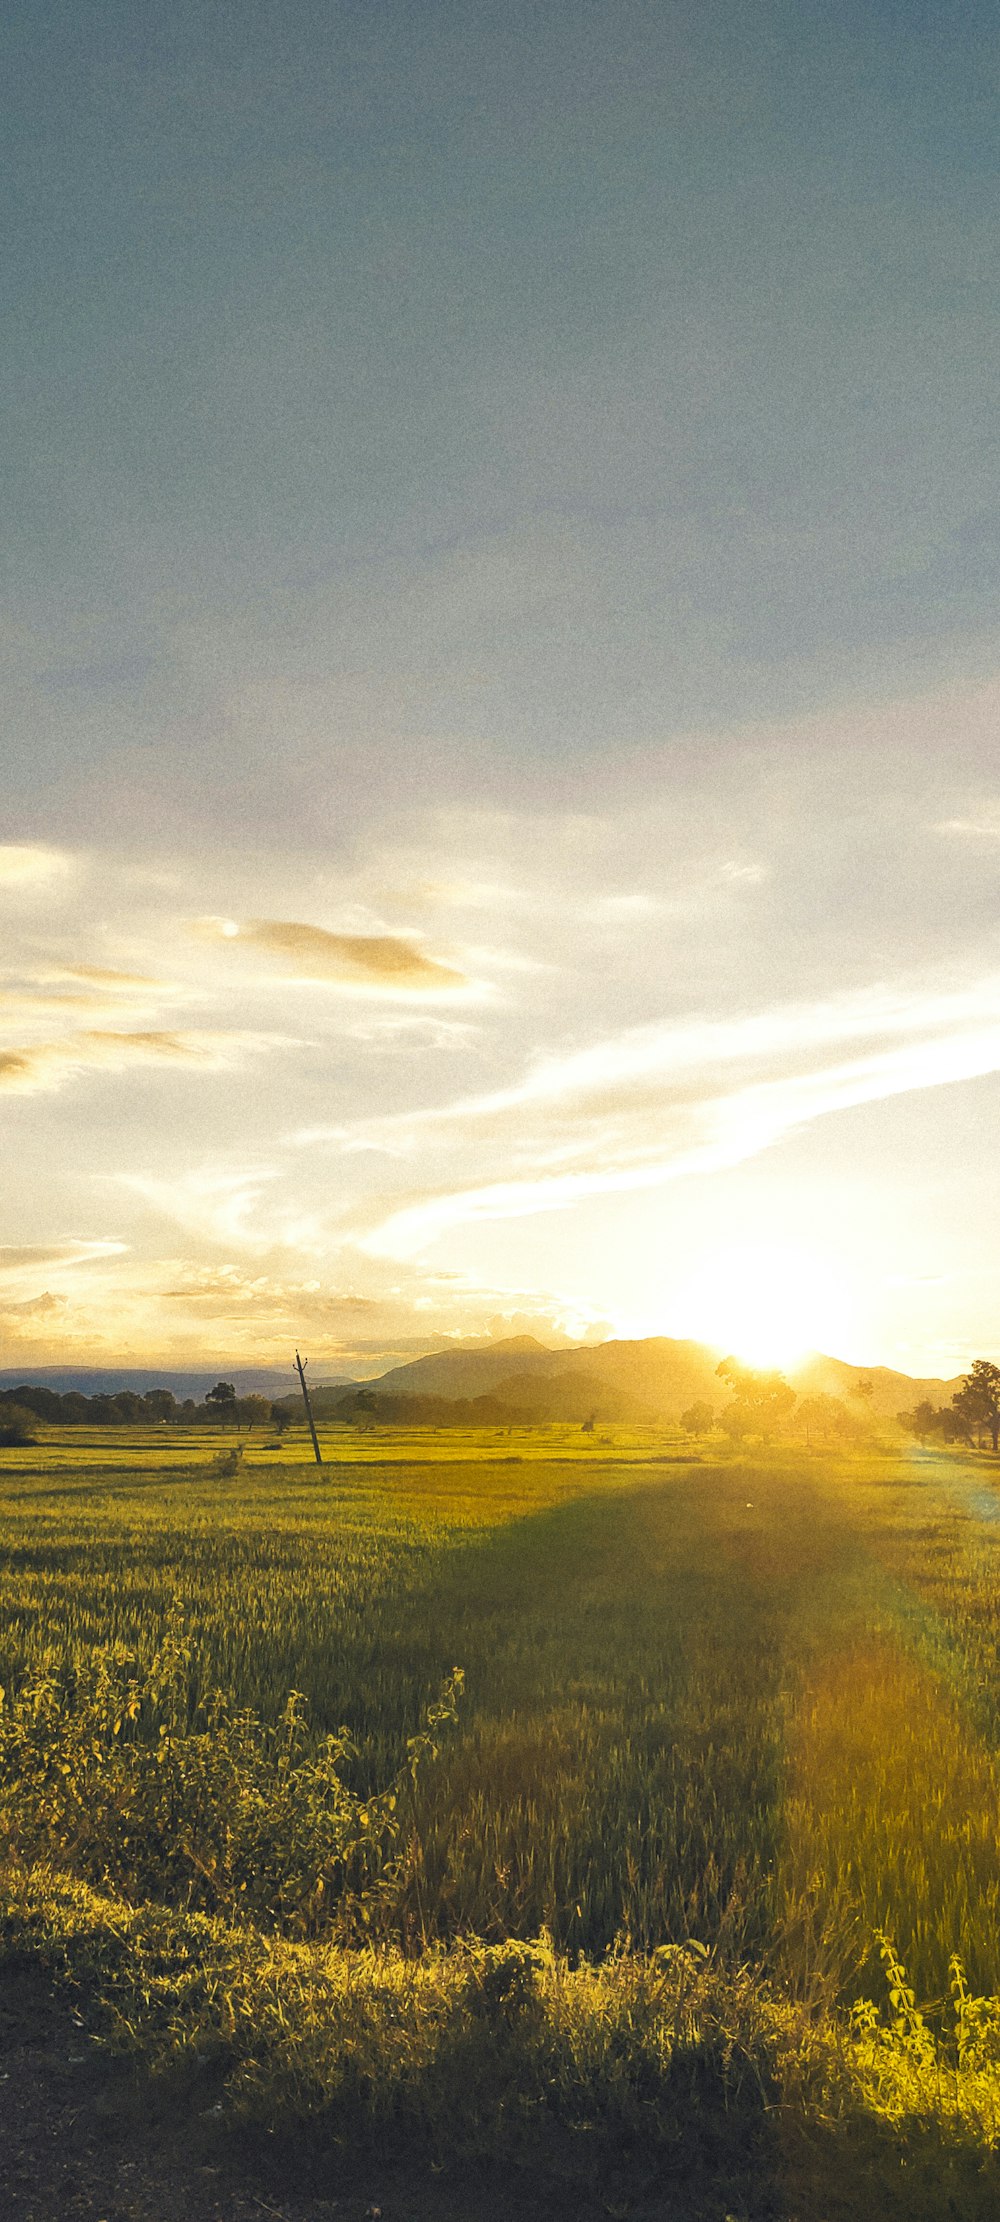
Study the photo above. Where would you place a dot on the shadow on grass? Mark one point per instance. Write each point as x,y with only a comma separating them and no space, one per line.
862,2168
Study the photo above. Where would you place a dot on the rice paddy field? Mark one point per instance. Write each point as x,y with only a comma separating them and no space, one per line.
636,1819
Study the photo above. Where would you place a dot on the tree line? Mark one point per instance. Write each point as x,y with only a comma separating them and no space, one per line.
30,1402
764,1405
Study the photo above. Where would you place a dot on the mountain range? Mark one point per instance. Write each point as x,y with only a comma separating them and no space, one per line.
653,1379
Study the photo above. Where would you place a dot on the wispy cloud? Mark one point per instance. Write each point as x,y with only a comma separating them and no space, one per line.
213,1202
609,1075
404,1029
44,1066
30,1256
44,1001
985,826
315,955
109,982
658,1104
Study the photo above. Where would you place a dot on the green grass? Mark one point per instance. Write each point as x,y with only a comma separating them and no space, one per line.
749,1704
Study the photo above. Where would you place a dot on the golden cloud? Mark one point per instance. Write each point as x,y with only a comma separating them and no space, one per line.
45,1065
313,953
231,1291
73,991
98,976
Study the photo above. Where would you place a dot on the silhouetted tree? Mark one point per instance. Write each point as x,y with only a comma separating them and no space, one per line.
698,1418
922,1422
223,1397
161,1404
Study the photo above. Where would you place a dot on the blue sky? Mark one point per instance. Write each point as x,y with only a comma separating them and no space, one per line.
520,485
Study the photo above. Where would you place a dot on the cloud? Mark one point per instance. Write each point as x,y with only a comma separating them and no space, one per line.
72,1005
34,1307
98,976
45,1066
658,1104
229,1292
312,954
213,1202
15,1258
984,828
28,866
354,1314
647,1065
404,1029
51,996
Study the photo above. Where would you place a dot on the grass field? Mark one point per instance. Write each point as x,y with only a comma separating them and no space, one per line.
708,1835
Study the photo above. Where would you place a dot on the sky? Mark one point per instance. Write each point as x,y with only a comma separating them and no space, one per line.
500,818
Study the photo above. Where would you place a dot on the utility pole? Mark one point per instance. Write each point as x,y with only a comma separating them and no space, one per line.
302,1364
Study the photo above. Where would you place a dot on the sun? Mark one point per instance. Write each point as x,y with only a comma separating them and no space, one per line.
768,1304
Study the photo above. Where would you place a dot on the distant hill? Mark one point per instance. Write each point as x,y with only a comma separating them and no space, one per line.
653,1379
656,1378
891,1392
271,1381
475,1372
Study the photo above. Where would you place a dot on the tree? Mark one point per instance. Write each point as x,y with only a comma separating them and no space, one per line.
280,1418
253,1411
978,1400
129,1407
366,1406
698,1418
44,1403
827,1424
223,1396
161,1404
761,1401
922,1421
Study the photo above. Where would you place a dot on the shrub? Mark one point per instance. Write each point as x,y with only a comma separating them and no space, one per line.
131,1781
17,1425
227,1463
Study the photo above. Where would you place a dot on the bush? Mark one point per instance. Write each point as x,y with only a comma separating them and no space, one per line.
17,1425
227,1463
131,1781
